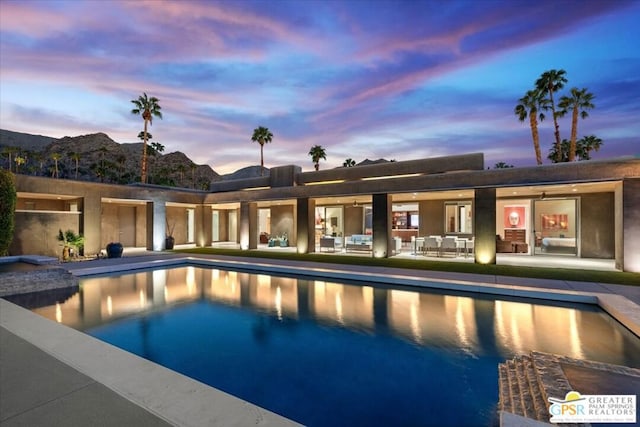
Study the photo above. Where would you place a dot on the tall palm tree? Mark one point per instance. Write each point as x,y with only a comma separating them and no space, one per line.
39,158
181,170
579,102
262,135
55,157
147,108
193,168
349,163
317,152
531,105
550,82
122,161
76,158
10,151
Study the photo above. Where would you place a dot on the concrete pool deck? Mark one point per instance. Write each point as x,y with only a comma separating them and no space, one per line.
51,374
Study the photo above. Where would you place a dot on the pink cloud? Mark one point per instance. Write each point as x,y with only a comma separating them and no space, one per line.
25,19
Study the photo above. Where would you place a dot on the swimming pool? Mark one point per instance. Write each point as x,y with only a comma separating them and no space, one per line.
326,353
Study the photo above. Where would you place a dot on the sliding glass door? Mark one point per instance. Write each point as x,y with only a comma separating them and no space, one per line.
555,227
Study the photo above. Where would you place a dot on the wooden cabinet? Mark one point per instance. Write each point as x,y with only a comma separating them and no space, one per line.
515,235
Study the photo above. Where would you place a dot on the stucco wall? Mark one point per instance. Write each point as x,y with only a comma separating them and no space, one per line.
597,225
631,224
177,218
36,233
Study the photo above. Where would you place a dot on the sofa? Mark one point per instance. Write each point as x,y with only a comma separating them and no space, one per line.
359,242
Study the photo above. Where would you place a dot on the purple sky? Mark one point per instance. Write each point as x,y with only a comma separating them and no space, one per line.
365,79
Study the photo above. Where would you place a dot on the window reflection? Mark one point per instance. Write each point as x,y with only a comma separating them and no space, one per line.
462,323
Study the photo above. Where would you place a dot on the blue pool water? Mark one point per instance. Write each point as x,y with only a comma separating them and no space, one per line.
335,354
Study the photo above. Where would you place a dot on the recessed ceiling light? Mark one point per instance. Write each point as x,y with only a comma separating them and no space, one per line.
574,190
515,192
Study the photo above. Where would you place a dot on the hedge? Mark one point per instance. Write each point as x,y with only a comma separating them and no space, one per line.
7,210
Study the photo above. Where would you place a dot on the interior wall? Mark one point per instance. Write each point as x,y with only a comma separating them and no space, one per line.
141,226
353,220
283,221
127,225
177,218
501,220
431,217
223,225
109,224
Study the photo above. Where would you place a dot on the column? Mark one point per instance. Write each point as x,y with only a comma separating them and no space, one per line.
203,226
248,225
630,225
156,225
91,224
484,225
305,224
382,244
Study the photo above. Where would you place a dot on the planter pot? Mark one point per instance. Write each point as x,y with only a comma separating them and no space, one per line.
169,242
114,250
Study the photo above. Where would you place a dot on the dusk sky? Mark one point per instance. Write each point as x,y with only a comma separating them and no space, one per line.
364,79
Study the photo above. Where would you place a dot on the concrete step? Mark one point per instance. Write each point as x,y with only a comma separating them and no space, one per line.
520,390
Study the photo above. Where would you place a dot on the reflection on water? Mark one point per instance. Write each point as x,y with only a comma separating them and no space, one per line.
474,326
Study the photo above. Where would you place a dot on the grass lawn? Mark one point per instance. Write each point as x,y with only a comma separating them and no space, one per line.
616,277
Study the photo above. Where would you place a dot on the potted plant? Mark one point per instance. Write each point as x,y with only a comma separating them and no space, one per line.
169,241
114,250
72,243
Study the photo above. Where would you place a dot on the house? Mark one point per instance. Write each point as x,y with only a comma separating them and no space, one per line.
581,209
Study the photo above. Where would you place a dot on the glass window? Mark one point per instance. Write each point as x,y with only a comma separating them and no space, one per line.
458,217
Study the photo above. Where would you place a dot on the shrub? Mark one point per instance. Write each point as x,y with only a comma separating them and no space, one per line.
7,210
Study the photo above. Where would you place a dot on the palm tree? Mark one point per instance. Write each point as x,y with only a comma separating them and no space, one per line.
349,163
147,108
122,160
157,147
19,161
502,165
193,168
578,102
531,105
550,82
76,158
181,170
586,145
141,136
262,135
563,155
55,157
317,152
10,151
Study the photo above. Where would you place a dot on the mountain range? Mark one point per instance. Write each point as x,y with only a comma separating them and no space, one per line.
97,157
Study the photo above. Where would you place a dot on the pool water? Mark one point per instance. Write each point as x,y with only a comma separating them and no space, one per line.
324,353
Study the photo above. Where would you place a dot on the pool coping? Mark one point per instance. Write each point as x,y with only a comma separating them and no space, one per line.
183,401
169,395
